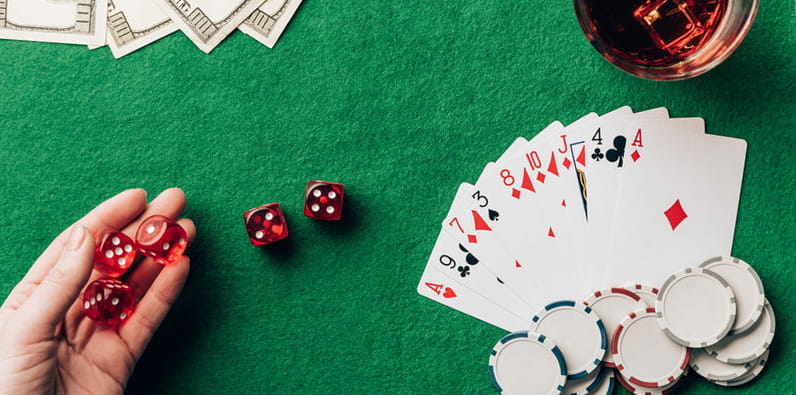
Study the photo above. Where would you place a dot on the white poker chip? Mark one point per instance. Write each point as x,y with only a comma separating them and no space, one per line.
696,307
665,390
527,363
750,345
644,355
747,287
712,369
757,368
607,383
612,305
579,333
648,294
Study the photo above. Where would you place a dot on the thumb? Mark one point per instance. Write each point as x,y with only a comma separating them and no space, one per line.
48,304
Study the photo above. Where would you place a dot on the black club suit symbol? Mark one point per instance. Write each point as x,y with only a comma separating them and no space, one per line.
618,152
597,155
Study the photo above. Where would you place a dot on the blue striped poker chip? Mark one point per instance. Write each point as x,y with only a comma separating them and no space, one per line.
578,331
527,362
586,384
606,382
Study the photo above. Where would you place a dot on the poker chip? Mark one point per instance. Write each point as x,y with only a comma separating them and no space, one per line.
579,333
665,390
712,369
607,383
750,345
747,287
586,384
757,368
643,354
527,362
695,307
612,305
648,294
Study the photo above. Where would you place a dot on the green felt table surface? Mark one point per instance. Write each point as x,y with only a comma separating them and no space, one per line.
399,101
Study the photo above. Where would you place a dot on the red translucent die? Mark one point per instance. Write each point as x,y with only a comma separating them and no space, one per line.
265,224
161,238
115,252
108,301
324,200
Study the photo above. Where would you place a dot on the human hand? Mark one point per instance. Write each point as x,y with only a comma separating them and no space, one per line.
47,344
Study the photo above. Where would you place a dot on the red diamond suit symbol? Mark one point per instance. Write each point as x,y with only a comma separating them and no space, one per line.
675,214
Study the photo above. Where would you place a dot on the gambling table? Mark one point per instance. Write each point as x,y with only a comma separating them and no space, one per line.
401,102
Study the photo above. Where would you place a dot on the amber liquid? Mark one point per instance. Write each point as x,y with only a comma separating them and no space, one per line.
654,32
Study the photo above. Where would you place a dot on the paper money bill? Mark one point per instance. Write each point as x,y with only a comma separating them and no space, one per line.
267,23
208,22
133,24
61,21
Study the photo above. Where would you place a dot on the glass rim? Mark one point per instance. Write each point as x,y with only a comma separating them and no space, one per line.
682,69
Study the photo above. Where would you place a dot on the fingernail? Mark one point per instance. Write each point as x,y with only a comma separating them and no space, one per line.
76,238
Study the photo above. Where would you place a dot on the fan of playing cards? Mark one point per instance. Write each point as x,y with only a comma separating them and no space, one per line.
608,201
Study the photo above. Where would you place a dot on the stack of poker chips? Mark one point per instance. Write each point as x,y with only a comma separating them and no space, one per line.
713,319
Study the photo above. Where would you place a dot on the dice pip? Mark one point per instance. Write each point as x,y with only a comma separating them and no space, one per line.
265,224
115,252
324,200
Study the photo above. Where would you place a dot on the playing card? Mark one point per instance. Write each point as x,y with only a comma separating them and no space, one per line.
640,191
450,292
677,204
526,189
603,174
471,221
473,271
518,146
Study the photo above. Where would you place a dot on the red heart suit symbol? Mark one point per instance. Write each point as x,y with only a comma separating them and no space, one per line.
449,293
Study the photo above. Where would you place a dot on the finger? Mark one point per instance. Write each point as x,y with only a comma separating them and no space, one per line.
168,203
153,307
46,307
145,273
115,213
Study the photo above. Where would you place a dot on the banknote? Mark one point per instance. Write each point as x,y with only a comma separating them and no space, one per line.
208,22
133,24
268,22
61,21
